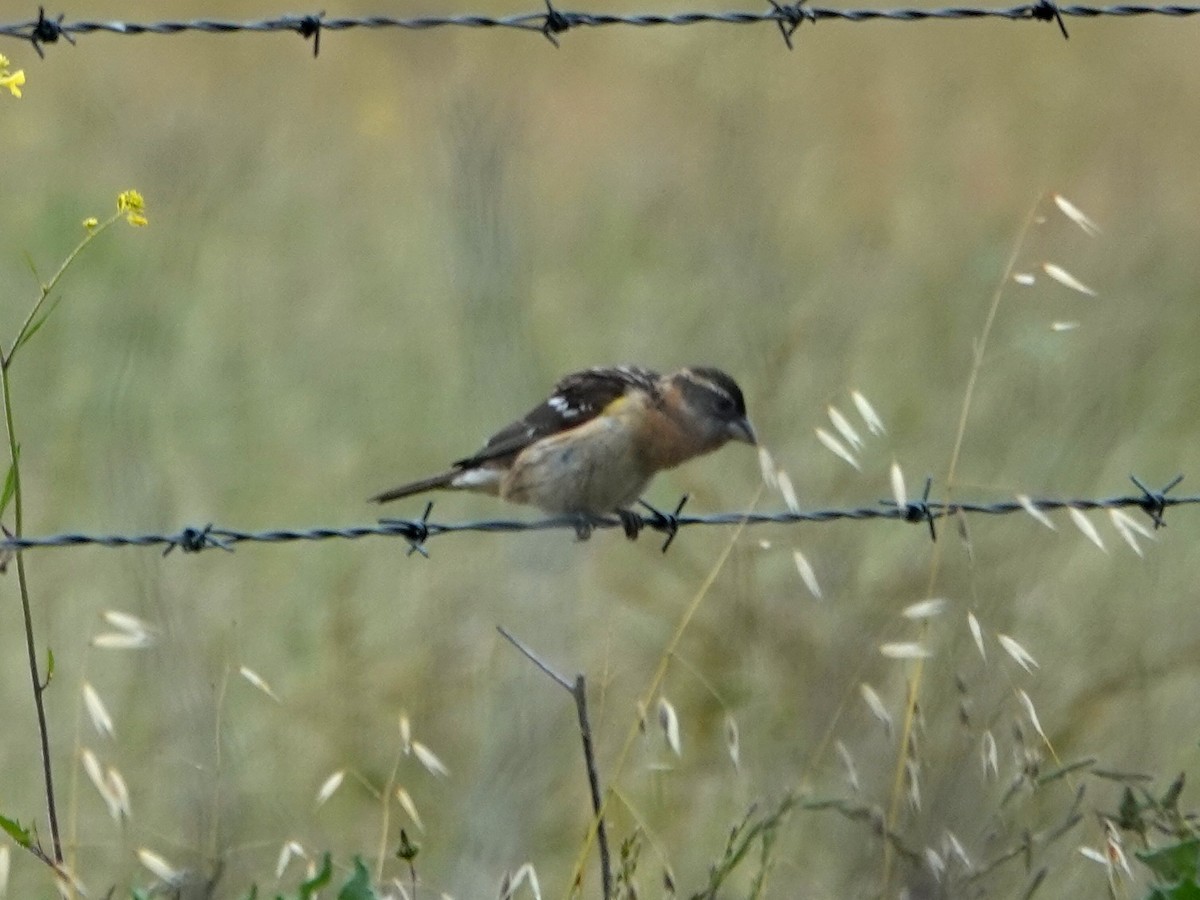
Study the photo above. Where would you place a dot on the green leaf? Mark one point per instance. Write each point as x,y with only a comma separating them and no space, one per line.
32,267
49,666
16,831
359,885
318,881
1188,891
1170,800
1175,864
10,482
35,325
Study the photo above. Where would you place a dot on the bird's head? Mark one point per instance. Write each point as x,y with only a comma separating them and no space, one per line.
716,405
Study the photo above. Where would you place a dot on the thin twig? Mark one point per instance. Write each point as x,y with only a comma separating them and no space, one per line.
578,691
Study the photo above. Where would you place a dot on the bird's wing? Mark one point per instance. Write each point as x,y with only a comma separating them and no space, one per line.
576,399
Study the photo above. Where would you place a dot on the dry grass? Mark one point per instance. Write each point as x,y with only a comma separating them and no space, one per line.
358,267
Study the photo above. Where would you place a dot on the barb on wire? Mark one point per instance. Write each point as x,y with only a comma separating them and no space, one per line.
552,22
310,27
418,532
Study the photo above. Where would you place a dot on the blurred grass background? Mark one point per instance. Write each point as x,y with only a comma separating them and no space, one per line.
359,266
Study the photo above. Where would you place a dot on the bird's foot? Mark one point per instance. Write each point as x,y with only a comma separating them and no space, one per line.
631,523
584,526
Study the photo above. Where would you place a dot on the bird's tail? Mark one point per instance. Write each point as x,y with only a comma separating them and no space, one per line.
418,487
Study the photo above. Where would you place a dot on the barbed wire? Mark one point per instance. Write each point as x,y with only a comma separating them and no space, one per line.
418,532
551,22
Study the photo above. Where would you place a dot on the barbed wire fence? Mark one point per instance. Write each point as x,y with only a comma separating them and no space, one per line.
418,532
552,22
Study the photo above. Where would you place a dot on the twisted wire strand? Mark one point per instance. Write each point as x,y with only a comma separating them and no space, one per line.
417,532
551,22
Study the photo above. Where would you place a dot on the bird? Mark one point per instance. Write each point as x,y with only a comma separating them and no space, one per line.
591,448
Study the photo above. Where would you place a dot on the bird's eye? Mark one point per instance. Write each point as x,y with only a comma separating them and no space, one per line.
725,405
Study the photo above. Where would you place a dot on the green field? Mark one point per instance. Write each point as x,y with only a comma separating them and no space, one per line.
357,267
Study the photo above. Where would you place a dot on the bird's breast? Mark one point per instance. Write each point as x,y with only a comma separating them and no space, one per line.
595,468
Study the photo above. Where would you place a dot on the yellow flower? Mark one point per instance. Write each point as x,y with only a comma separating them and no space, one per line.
133,207
130,201
90,222
13,82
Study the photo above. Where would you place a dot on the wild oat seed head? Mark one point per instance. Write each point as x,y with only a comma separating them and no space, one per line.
1094,855
869,416
912,772
848,762
1084,524
733,741
95,774
787,491
807,575
925,609
329,786
991,756
159,867
1029,507
1014,649
668,721
1027,702
121,810
904,650
899,491
954,847
835,446
118,640
849,434
977,634
259,682
1076,215
429,760
524,874
405,734
127,622
410,809
1066,279
289,851
1128,527
935,864
766,465
97,712
875,703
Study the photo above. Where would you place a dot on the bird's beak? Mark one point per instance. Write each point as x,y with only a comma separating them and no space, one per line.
742,430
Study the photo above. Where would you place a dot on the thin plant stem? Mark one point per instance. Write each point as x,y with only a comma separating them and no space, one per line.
578,691
39,686
918,670
656,681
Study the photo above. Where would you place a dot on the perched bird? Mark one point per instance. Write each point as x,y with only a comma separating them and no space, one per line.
593,445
